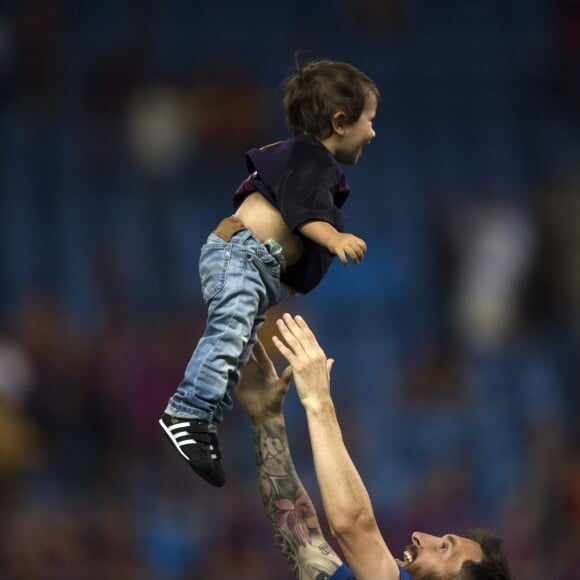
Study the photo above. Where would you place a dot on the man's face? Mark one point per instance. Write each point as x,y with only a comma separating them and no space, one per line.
439,555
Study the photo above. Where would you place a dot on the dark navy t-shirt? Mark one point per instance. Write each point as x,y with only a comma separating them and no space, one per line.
304,182
345,573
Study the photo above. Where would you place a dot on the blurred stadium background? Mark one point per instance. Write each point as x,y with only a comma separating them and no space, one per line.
123,125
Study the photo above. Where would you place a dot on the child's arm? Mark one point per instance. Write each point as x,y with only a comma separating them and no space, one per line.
342,245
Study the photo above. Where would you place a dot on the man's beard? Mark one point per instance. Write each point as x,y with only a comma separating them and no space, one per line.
418,573
416,570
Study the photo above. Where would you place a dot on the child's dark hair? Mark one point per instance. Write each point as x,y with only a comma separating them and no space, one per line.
315,92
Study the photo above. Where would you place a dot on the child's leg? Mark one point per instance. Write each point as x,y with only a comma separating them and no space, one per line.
234,375
237,287
240,280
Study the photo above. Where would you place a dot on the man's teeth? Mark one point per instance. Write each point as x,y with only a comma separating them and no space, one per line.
407,556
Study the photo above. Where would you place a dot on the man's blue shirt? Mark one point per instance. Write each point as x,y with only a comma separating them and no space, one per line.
345,573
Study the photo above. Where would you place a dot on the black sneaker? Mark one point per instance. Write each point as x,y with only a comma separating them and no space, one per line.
198,443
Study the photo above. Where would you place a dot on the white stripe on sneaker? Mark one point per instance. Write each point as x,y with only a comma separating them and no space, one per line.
181,425
181,434
173,437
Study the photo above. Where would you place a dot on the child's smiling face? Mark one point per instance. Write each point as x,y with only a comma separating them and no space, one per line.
355,136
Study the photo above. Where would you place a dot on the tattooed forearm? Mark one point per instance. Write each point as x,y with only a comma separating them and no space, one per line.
288,550
290,510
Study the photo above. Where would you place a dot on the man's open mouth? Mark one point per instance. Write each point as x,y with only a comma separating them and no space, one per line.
409,554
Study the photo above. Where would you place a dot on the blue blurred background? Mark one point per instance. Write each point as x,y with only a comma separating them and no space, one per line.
457,340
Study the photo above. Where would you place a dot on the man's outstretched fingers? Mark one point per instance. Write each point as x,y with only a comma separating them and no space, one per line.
287,353
259,352
299,329
288,330
301,323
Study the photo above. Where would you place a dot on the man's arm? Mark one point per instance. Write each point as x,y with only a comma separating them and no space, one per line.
291,513
346,502
289,508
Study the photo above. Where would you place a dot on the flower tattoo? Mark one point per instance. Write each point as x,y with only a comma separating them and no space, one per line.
298,515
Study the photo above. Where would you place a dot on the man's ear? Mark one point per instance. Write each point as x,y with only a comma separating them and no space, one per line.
339,122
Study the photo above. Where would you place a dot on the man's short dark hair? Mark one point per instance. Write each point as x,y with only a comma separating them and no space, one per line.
493,566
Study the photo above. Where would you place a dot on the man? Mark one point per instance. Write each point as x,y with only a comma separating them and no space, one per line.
346,502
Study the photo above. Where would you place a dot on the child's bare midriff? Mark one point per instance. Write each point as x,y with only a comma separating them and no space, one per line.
265,222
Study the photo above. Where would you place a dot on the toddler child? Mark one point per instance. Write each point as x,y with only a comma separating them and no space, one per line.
286,230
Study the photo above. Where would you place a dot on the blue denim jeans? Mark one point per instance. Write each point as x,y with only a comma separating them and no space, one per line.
240,280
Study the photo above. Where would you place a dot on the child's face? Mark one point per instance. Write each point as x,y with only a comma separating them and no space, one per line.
357,135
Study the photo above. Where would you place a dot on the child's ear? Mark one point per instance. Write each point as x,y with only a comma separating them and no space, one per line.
339,122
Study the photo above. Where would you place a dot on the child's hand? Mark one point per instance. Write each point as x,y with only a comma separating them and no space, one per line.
343,245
